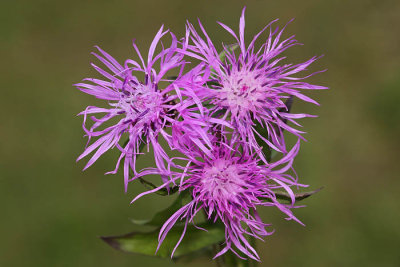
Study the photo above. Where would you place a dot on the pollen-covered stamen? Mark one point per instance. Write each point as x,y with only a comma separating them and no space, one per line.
223,181
140,103
241,89
244,89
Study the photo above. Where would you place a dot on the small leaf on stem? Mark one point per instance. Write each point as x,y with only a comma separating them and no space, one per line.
162,191
298,196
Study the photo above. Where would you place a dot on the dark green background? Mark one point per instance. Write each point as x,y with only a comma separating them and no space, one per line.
52,213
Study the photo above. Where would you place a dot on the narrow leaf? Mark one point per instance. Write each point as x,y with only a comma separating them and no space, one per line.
149,185
270,153
288,104
265,147
229,48
298,196
146,243
162,191
160,217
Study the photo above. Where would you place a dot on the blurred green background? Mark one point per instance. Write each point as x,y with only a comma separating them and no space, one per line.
52,213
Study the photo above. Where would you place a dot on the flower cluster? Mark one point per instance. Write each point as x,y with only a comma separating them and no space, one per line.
221,114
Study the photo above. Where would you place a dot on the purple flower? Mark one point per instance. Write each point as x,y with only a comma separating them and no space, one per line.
141,109
249,86
228,186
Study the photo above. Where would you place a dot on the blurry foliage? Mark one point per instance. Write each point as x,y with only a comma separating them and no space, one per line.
384,107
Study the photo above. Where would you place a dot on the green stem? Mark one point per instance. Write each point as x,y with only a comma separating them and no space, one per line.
218,261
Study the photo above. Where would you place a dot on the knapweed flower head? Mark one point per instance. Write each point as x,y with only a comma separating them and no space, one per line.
228,186
144,108
248,88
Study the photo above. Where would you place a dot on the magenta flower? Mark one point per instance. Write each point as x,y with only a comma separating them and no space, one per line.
229,186
143,108
221,115
248,86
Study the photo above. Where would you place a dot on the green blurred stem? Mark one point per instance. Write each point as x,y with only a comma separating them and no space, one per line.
218,261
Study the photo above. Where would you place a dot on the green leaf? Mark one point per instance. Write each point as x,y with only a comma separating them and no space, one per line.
268,152
265,147
149,185
288,104
146,243
162,191
222,56
160,217
141,146
172,77
232,260
229,259
298,196
229,48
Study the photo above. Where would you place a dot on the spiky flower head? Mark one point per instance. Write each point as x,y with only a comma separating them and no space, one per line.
143,108
248,88
229,186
